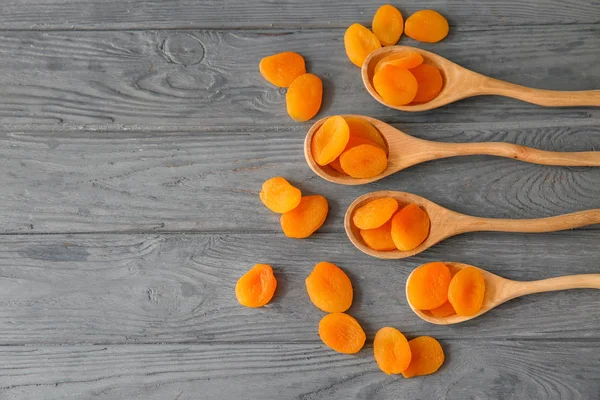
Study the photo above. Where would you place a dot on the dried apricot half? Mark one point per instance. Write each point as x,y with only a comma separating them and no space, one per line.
330,140
388,24
364,161
427,287
402,59
397,86
410,227
391,350
375,213
427,26
279,196
443,311
359,43
427,356
304,96
342,333
303,220
379,239
466,291
256,287
281,69
329,288
430,82
361,128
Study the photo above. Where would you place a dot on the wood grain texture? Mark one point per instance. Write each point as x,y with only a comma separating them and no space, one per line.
113,14
74,289
486,369
210,79
82,181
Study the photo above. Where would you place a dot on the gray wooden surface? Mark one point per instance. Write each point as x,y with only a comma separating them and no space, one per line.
135,135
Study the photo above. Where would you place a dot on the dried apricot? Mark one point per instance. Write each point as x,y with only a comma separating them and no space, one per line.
304,96
342,333
379,238
427,26
402,59
427,356
281,69
329,288
391,350
397,86
303,220
427,287
430,82
279,196
443,311
361,128
359,43
335,164
375,213
388,24
410,227
364,161
256,287
330,140
466,291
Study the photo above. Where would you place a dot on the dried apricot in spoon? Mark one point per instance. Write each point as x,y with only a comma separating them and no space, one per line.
364,161
256,287
361,128
427,287
427,356
375,213
410,227
388,24
303,220
403,59
359,42
430,82
396,85
330,140
279,196
329,288
427,26
466,291
281,69
391,350
342,333
379,239
445,310
304,96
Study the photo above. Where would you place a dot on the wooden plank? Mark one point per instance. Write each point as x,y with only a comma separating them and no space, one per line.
210,78
74,289
473,369
136,14
80,181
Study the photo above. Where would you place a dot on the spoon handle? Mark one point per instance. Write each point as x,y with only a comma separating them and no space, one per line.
548,98
549,224
517,152
586,281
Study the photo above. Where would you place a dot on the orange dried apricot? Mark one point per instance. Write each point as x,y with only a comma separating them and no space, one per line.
445,310
410,227
304,96
281,69
359,43
342,333
427,287
466,291
375,213
388,24
430,82
364,161
379,238
427,26
329,288
403,59
427,357
361,128
256,287
330,140
391,350
397,86
279,196
335,164
303,220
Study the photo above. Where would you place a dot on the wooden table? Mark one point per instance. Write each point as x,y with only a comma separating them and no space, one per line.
135,136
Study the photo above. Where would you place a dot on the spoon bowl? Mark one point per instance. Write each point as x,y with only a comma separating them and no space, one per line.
460,83
445,223
499,290
404,151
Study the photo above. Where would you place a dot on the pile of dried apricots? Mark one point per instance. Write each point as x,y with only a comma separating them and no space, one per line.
353,147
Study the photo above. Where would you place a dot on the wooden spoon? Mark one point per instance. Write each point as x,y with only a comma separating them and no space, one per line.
405,151
446,223
460,83
499,290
